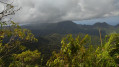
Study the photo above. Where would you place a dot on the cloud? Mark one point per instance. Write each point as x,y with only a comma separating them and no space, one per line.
59,10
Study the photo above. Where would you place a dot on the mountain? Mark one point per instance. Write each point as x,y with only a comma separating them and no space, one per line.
101,25
66,27
117,25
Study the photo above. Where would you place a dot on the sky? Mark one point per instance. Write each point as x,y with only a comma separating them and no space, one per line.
114,20
81,11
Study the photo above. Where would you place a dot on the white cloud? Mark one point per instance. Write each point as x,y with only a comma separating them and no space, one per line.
59,10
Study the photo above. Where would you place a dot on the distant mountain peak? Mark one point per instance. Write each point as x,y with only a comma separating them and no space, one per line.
101,24
66,24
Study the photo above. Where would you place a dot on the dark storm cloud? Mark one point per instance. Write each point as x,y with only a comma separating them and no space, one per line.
59,10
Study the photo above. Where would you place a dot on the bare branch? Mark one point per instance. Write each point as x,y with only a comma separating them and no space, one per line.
8,11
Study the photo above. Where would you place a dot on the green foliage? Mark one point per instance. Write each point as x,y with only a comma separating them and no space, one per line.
71,50
115,50
27,58
74,53
12,39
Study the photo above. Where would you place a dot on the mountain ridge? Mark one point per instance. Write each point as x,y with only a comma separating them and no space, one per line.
66,27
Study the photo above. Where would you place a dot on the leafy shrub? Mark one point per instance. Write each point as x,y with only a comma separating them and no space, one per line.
74,53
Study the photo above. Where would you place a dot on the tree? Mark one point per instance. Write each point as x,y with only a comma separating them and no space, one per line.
12,37
71,53
9,10
11,41
115,50
76,53
27,58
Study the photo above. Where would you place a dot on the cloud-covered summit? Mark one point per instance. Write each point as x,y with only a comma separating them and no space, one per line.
60,10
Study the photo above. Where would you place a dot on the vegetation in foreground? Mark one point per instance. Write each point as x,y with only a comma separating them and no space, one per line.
75,51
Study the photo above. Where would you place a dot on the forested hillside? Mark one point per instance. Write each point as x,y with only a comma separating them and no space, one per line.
66,27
